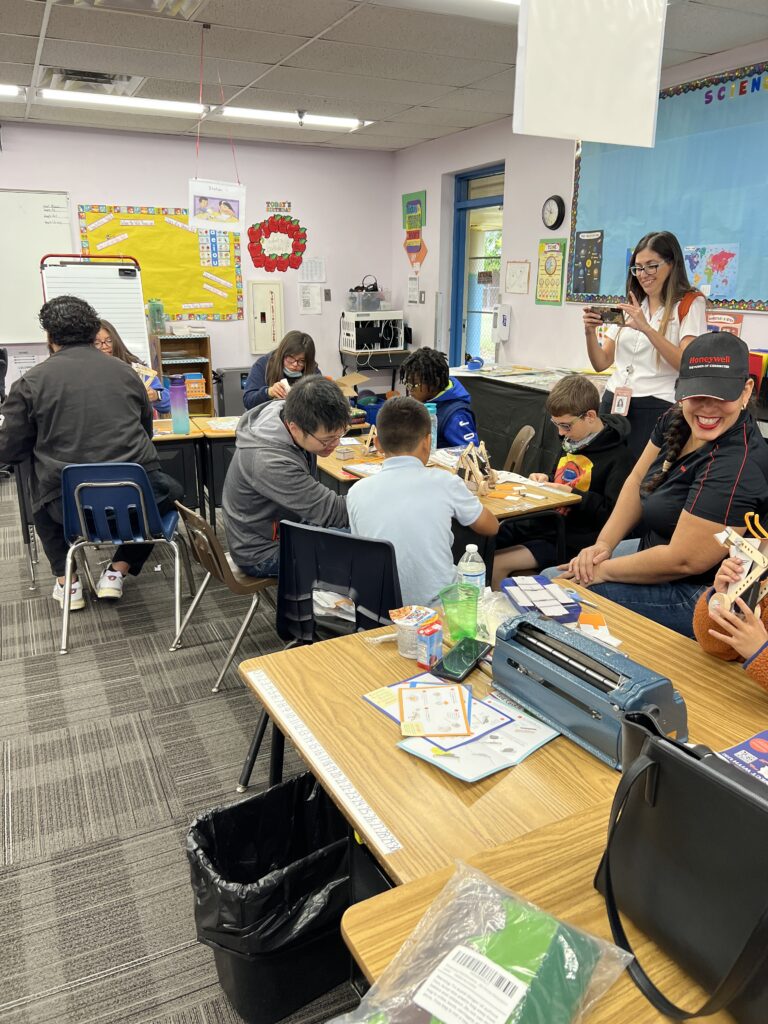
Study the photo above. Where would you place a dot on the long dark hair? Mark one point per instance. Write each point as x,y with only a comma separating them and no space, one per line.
676,285
119,348
675,436
295,343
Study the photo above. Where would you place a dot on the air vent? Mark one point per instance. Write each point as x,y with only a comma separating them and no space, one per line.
184,10
89,81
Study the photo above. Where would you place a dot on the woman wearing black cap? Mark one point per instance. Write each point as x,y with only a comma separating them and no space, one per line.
705,466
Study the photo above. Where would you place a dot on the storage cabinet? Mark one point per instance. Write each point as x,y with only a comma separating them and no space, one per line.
192,354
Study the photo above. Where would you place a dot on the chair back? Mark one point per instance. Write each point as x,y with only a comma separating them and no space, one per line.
3,371
313,558
109,503
208,552
517,450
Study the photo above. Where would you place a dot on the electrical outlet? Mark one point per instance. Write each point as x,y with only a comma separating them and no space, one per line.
422,298
327,294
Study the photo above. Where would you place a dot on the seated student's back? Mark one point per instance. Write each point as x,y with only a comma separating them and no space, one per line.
413,506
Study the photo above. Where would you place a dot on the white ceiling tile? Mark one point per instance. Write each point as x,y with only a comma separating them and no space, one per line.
16,74
417,132
341,86
119,60
671,57
475,99
357,141
353,106
305,17
18,49
264,133
436,115
503,82
110,119
428,33
397,64
711,29
753,6
21,18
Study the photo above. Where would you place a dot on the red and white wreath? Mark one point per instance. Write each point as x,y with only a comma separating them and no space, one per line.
284,240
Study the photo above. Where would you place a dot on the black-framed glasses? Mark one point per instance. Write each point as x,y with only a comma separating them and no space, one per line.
326,442
567,427
651,269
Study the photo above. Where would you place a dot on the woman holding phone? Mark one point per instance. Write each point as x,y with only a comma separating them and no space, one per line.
661,316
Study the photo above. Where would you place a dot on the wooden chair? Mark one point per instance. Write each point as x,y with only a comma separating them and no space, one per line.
518,449
208,552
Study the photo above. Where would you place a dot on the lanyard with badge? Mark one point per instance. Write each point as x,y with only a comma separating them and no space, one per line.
623,396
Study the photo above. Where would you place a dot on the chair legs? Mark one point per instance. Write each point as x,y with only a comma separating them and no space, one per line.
69,565
187,564
176,585
253,752
238,640
190,612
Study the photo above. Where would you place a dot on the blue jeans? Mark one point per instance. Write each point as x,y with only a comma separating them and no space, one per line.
267,567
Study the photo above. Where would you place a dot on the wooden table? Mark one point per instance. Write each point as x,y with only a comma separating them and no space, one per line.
180,456
552,867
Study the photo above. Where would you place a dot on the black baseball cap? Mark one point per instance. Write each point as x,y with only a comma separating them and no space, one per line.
714,365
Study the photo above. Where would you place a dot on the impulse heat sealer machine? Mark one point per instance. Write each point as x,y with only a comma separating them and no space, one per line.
579,686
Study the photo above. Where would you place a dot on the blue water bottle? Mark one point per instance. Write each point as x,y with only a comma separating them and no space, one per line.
432,410
179,407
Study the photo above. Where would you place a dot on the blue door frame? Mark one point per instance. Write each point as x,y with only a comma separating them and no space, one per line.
461,206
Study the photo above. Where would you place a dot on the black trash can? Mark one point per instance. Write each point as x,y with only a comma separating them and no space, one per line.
272,877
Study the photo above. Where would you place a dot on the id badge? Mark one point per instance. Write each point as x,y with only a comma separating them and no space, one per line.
621,399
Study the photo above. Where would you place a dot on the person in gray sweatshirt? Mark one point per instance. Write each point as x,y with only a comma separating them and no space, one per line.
273,474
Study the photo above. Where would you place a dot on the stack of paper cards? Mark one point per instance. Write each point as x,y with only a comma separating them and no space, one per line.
539,594
364,468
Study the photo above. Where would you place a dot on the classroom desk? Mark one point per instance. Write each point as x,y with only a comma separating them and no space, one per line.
218,448
428,815
181,457
553,867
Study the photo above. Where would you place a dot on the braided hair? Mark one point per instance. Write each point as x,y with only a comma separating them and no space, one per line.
677,433
428,367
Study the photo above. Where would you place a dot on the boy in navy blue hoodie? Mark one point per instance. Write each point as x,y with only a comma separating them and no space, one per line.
425,375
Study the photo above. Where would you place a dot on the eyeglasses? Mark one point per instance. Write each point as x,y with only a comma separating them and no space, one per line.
567,427
327,442
650,269
297,361
103,345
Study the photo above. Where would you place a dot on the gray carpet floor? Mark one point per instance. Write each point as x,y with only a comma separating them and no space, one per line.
108,753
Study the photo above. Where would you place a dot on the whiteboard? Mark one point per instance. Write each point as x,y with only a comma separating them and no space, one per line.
113,289
34,223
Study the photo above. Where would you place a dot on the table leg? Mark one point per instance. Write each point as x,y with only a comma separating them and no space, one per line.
200,470
209,443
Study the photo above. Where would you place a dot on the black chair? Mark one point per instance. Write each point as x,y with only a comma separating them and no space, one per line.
358,569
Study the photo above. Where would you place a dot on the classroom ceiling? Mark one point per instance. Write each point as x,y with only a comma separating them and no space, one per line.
416,69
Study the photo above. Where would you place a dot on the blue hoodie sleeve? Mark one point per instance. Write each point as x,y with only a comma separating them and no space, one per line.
458,429
163,401
255,390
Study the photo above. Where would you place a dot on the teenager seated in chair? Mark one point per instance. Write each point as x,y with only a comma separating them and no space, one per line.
413,506
595,463
705,466
274,374
426,377
79,407
273,474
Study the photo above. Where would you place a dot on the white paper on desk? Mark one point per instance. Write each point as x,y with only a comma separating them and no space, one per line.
364,468
350,440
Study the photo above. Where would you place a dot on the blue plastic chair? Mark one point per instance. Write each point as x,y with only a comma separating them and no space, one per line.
113,503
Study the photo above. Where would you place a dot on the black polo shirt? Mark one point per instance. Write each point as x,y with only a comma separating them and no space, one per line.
719,482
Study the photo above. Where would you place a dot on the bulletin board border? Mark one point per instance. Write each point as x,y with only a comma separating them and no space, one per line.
745,305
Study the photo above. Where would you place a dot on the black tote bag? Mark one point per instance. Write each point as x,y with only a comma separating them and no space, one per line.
687,861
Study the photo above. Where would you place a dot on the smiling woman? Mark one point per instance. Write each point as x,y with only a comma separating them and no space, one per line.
705,466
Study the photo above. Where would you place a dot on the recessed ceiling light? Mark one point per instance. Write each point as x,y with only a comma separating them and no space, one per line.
92,99
294,117
9,90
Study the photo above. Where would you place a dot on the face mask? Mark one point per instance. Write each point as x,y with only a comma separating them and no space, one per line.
573,446
292,373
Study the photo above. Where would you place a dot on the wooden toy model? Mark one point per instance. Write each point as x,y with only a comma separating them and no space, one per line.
474,467
753,555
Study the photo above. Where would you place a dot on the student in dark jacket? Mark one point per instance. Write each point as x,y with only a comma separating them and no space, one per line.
426,377
272,374
76,407
595,463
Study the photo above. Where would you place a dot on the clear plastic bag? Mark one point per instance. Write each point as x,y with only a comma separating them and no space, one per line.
482,955
493,608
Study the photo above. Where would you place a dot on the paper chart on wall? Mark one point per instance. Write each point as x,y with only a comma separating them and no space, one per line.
196,274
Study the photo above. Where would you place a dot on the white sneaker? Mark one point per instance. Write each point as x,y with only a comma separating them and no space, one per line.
110,585
76,602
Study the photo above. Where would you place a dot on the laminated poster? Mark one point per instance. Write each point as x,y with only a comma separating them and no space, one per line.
218,204
587,261
549,279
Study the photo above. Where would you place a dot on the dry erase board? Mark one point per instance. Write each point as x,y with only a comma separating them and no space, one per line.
34,223
705,180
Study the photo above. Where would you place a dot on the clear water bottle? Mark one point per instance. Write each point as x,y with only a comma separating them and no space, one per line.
432,410
179,407
471,568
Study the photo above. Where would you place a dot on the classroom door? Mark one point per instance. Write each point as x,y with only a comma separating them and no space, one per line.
476,263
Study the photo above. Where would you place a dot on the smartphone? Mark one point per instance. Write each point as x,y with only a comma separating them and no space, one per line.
457,663
609,314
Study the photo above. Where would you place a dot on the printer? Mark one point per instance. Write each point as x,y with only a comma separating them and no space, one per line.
579,686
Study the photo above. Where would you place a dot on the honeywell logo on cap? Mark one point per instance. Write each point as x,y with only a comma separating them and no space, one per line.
709,360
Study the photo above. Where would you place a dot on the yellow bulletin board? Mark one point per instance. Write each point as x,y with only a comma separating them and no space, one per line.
196,274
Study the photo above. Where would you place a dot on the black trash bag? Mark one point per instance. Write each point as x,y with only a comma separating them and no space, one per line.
271,877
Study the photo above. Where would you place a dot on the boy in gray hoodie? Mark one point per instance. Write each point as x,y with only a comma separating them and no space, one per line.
273,474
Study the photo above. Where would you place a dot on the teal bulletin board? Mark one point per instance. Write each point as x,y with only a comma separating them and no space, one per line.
706,180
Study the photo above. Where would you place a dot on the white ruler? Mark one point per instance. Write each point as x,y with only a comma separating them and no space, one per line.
332,776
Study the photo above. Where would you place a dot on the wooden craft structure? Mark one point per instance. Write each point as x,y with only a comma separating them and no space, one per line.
754,553
474,467
369,446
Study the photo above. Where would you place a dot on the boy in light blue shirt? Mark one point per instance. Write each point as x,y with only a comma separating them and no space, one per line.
413,506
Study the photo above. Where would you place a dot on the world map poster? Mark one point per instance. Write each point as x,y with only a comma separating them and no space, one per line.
713,269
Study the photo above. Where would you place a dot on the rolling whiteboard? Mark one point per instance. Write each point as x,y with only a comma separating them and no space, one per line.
33,224
114,291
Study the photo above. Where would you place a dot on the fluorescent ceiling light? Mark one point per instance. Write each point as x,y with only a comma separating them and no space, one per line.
294,117
513,3
9,90
94,99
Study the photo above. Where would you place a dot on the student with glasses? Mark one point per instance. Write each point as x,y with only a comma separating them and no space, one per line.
273,474
662,315
274,373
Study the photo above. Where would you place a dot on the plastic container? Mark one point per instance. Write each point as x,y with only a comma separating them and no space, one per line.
367,302
471,568
156,316
432,410
460,610
179,406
